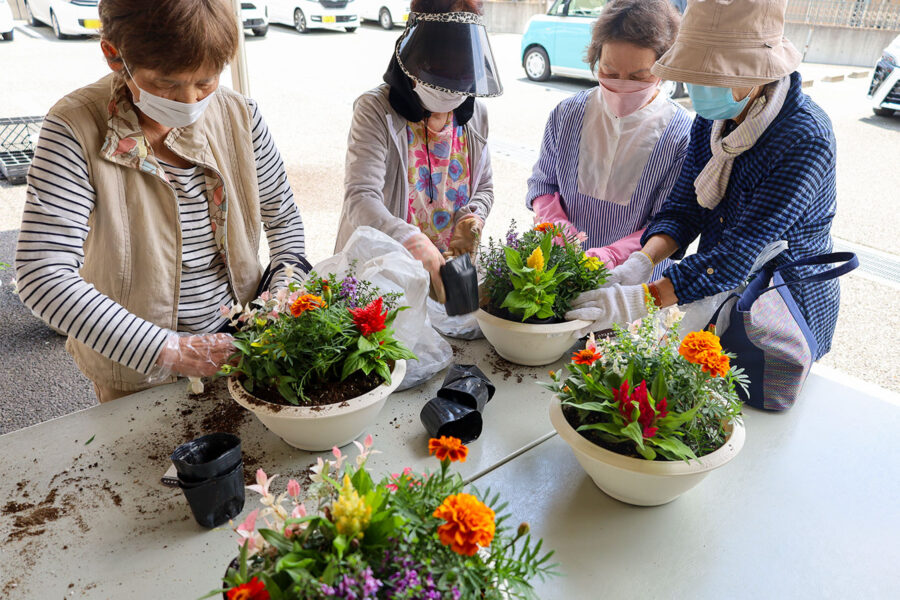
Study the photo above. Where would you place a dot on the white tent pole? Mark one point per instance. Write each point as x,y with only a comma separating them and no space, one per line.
240,79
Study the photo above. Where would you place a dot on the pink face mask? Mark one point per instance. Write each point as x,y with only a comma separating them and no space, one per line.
625,96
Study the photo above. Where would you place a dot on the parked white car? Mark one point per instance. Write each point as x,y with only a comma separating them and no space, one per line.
6,21
255,16
66,17
304,15
884,90
387,12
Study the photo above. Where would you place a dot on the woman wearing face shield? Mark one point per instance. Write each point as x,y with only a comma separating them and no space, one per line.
760,169
611,155
145,201
417,165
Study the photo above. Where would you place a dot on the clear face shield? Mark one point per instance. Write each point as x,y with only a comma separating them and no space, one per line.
449,52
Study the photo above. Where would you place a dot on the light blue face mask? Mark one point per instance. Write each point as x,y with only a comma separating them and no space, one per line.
715,103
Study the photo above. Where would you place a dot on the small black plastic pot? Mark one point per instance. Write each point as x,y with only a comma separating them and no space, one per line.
467,385
206,457
441,416
460,285
216,500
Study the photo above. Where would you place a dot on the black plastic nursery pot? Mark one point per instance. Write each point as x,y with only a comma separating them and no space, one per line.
441,416
460,285
207,457
217,500
467,385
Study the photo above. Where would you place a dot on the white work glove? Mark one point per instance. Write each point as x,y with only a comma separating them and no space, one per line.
424,251
192,355
637,269
608,305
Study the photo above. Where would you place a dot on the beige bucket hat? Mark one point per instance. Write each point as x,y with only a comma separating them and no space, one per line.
730,43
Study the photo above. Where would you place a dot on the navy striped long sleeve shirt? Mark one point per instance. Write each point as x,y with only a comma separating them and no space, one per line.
50,251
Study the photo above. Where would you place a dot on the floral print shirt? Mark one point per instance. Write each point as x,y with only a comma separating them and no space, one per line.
437,191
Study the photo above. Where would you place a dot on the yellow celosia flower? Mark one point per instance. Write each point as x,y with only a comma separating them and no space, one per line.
591,263
350,513
536,260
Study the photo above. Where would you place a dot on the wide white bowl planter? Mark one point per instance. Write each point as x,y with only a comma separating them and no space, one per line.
529,344
638,481
319,427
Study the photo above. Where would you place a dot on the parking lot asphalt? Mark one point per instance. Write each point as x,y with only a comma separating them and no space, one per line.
305,86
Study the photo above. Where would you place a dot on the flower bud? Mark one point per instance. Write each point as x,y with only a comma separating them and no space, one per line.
523,529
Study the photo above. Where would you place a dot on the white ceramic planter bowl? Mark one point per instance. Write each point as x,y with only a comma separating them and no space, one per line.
527,344
638,481
322,427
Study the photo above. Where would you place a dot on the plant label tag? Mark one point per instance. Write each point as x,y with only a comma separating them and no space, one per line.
170,477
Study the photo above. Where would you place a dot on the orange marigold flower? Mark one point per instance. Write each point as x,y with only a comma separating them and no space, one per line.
470,523
587,356
698,345
306,302
544,227
252,590
448,448
717,365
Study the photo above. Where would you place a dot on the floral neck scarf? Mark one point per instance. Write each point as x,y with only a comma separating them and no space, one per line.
126,145
438,178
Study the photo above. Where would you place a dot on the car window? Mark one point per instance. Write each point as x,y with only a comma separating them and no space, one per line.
586,8
558,9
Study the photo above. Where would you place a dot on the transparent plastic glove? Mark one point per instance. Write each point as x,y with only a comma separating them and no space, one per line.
637,269
466,236
608,305
424,251
193,355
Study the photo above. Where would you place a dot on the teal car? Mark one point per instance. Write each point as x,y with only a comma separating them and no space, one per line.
555,43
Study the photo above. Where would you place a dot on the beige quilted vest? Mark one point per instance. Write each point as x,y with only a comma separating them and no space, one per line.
133,250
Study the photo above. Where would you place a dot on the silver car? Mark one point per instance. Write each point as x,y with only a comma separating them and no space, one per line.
884,91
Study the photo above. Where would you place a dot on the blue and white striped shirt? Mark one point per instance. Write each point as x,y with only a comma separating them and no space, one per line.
55,224
605,221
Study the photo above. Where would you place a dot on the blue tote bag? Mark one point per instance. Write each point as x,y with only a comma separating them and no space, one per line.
769,336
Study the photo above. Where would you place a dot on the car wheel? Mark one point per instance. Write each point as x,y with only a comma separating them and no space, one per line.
300,21
537,64
350,29
8,36
31,20
385,19
883,112
261,31
54,23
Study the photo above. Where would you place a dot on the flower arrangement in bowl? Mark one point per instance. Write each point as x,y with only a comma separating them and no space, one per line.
316,362
406,536
648,416
529,284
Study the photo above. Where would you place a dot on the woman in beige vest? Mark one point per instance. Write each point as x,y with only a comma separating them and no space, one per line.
146,198
418,166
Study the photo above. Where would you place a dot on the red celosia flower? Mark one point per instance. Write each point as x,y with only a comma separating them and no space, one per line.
648,415
252,590
370,319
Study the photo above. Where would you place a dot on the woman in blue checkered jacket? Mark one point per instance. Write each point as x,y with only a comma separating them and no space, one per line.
760,168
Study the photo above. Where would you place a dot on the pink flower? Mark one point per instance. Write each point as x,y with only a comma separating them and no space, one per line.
293,529
339,458
224,310
263,482
365,449
248,535
265,296
293,488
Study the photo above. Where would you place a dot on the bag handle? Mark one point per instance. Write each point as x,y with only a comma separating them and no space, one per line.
757,287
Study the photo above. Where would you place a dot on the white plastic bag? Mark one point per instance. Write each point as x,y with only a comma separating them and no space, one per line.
463,327
386,264
698,314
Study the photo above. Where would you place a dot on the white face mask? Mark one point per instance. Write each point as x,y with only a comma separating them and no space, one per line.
437,101
168,113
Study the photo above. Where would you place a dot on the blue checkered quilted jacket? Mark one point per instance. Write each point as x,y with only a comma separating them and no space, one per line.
781,189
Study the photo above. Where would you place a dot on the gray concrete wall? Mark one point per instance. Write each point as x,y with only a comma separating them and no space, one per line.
510,16
839,45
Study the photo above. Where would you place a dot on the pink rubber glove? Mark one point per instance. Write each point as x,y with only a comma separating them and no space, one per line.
616,253
424,251
548,209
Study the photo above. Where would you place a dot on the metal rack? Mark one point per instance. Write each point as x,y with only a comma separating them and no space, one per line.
18,136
